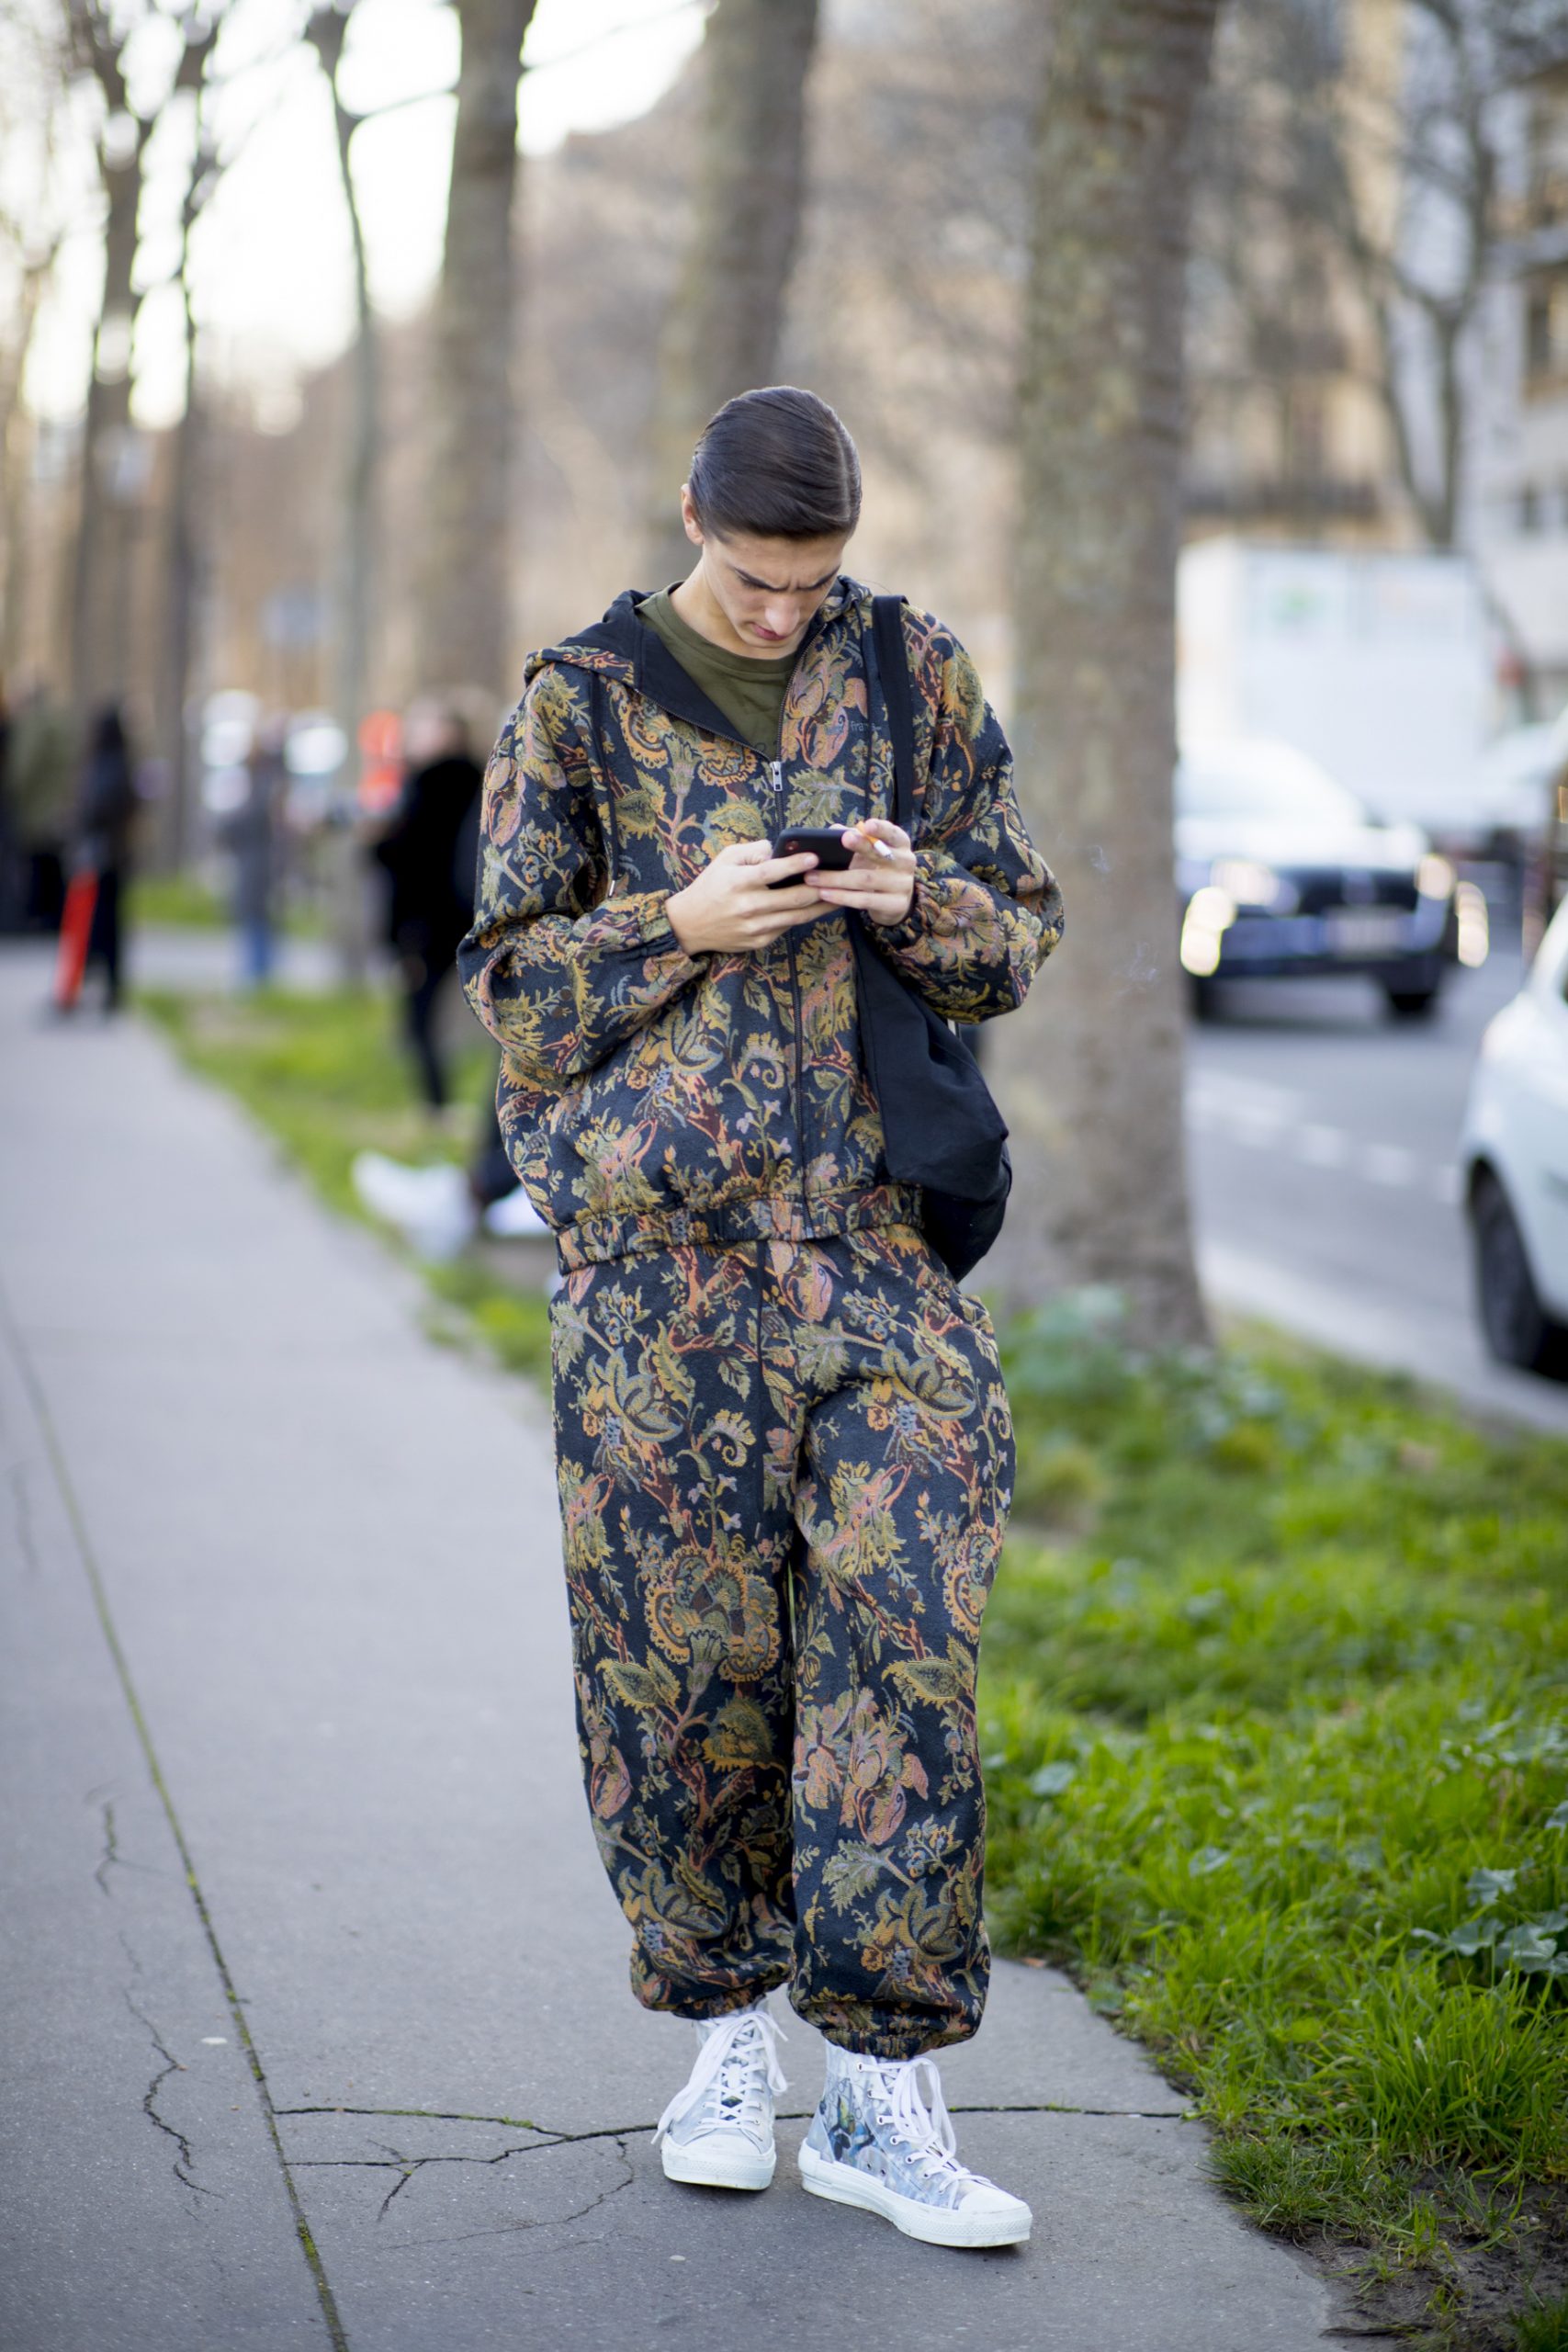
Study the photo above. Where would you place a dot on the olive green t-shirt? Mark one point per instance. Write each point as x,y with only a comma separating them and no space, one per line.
750,694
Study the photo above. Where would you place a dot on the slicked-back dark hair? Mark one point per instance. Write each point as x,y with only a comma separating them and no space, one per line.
776,464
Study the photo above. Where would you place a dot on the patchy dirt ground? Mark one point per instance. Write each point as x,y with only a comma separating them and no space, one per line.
1507,2253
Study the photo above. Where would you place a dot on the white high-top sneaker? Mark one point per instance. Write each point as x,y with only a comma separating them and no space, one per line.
718,2131
431,1207
876,2142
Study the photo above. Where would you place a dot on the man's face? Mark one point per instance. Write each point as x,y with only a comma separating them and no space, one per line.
766,589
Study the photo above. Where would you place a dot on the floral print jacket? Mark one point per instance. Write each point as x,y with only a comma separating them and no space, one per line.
649,1097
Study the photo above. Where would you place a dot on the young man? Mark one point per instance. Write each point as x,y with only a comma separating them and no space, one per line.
783,1445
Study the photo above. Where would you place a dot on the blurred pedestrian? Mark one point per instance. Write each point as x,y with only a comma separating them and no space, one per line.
7,854
439,1208
40,787
100,856
251,834
430,898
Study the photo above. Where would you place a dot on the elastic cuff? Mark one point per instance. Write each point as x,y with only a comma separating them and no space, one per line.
654,928
911,927
723,2004
888,2049
642,917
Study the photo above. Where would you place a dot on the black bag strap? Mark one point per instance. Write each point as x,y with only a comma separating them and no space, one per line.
893,668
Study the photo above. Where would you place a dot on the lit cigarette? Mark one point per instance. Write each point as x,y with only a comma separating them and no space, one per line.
882,850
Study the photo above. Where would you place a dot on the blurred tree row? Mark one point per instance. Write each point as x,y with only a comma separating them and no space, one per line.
1062,267
724,324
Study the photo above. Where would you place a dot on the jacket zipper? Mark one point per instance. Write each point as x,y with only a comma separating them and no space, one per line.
775,778
775,771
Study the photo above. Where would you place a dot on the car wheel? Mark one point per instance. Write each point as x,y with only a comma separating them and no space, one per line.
1411,1004
1518,1329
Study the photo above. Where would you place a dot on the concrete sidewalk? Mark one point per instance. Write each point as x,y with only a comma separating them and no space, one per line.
316,2020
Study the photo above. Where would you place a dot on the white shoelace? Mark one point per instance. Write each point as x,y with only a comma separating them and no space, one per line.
926,2128
739,2060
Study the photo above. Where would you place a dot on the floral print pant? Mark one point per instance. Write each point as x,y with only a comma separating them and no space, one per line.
785,1473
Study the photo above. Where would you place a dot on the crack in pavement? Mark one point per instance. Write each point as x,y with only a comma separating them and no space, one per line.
551,2222
1053,2107
33,1388
444,2115
110,1854
411,2165
550,2136
396,2161
24,1521
185,2161
110,1858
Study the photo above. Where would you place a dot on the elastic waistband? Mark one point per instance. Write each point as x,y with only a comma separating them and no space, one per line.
766,1217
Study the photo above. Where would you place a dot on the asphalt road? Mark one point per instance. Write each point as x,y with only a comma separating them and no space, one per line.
1323,1141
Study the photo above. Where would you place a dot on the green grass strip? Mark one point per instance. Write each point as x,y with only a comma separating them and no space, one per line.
1275,1713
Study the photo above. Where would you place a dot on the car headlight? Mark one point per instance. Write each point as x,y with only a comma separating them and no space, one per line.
1210,909
1210,913
1474,924
1435,878
1251,884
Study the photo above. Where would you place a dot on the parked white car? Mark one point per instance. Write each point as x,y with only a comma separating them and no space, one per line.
1515,1157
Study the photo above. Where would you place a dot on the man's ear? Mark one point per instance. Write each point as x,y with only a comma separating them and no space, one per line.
690,524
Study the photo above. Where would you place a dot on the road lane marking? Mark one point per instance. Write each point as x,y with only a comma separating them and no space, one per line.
1252,1117
1253,1096
1323,1147
1388,1163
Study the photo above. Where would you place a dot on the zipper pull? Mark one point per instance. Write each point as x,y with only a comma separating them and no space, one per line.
775,770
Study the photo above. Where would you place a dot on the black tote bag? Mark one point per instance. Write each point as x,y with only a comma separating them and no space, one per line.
941,1129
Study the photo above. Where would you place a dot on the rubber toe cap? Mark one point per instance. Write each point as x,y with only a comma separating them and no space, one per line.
986,2197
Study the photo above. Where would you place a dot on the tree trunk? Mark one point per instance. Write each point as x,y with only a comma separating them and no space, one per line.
349,883
100,583
1090,1072
465,598
723,330
16,455
183,580
356,548
356,543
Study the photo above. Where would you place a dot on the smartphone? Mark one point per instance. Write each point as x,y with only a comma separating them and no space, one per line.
828,841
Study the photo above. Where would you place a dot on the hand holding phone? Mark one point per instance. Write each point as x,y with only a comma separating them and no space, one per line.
730,904
826,843
880,881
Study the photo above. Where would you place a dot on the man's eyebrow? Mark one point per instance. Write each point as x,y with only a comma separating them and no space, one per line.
749,579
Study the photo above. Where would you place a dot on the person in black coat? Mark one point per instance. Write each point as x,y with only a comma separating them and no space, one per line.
251,833
106,814
431,894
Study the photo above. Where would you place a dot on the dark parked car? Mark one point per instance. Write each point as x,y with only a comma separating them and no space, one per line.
1280,870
